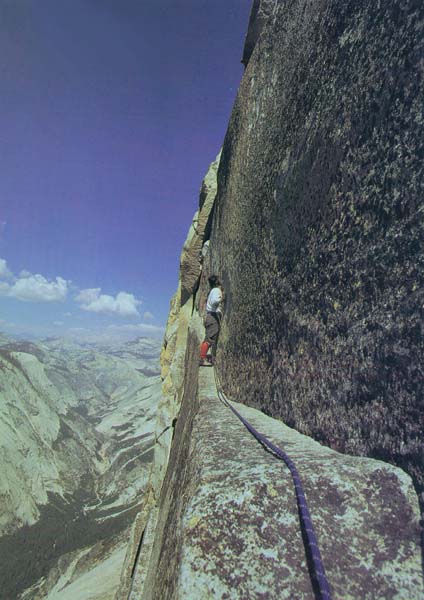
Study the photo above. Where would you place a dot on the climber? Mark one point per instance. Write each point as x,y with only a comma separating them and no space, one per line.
212,321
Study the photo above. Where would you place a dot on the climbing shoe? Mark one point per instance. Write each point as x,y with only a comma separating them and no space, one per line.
205,363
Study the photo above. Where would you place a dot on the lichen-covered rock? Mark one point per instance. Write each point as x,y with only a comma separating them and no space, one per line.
230,526
260,13
168,347
318,230
190,261
208,190
173,365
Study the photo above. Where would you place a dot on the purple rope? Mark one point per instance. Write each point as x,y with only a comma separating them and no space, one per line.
305,517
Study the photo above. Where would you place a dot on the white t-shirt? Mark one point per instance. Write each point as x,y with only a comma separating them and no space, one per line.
214,300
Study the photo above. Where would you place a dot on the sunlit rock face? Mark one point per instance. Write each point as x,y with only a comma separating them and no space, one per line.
191,255
76,443
173,354
318,229
179,361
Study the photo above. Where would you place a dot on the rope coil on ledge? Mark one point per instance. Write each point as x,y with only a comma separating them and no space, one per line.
317,571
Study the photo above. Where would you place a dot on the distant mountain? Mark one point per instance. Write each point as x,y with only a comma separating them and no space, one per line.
76,439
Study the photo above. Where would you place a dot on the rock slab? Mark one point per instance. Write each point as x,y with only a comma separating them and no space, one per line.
234,523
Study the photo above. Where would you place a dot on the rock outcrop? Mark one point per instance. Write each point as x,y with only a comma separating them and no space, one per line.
199,232
179,359
182,304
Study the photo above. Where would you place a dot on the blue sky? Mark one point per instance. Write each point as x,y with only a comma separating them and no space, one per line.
110,113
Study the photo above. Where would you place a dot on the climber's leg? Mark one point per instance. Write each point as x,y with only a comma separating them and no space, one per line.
204,347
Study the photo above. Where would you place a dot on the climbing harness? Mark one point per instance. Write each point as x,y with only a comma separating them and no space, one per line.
318,575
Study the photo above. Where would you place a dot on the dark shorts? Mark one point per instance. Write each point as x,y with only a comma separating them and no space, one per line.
211,328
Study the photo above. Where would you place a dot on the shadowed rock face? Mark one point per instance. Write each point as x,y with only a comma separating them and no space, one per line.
260,13
318,228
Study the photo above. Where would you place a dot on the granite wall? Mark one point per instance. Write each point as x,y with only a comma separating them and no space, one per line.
318,229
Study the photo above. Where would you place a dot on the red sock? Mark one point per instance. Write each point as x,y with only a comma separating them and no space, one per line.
204,347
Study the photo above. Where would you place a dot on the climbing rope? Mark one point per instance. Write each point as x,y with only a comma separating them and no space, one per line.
318,576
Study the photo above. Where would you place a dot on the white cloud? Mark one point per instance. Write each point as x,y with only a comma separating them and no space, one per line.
31,288
88,296
36,288
147,316
123,305
4,271
58,323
